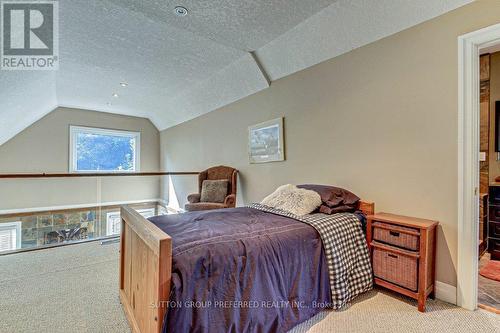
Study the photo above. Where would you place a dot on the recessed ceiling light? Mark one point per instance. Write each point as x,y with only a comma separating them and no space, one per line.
123,84
115,95
180,11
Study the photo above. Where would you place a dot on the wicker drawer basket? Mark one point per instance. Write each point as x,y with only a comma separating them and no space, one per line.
403,237
399,269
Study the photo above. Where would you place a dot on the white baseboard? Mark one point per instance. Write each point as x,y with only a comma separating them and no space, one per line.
446,292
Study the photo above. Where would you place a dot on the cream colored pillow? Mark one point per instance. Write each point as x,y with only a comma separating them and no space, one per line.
292,199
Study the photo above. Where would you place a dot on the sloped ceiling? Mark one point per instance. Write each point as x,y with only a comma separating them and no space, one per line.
178,68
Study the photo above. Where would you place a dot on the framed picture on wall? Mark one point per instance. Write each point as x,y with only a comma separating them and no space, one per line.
266,142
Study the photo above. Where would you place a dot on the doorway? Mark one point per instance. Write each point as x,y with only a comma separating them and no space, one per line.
489,180
469,49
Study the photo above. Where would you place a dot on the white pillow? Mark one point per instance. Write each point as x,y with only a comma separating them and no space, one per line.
292,199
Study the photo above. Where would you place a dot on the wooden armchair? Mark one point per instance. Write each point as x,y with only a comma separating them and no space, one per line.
214,173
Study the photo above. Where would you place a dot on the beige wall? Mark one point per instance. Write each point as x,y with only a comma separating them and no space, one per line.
494,165
44,147
380,120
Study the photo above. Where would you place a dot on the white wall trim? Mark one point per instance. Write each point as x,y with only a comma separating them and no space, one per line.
446,292
469,46
109,224
87,205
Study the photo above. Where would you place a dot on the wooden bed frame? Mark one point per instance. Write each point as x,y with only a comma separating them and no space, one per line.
146,267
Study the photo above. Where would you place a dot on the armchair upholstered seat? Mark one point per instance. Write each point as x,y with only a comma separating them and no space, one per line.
215,173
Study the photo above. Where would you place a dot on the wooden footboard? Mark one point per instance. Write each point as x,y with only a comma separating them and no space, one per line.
145,271
146,267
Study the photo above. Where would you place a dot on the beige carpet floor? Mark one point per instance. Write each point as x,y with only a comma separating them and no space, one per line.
75,289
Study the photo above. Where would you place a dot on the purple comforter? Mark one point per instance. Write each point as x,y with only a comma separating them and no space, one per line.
243,270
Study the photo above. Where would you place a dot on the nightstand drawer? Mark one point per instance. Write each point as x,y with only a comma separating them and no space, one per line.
397,268
396,235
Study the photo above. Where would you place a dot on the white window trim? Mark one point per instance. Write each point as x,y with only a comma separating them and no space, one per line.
13,225
152,211
109,226
74,130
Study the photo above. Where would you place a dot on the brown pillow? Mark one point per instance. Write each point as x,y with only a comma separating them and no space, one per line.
335,199
339,209
214,191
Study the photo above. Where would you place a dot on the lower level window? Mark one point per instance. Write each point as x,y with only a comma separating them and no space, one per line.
147,212
113,223
113,220
10,236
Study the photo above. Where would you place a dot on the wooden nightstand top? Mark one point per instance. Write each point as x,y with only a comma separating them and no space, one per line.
406,221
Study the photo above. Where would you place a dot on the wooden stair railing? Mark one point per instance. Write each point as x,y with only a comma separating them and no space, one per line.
96,174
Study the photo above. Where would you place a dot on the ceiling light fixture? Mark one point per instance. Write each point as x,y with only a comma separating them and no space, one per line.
123,84
180,11
115,95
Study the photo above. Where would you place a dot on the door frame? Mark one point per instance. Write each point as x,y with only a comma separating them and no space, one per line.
469,47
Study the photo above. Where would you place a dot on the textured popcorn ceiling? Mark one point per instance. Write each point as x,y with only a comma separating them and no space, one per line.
178,68
242,24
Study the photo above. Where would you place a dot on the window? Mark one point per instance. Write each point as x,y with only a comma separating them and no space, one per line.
147,212
103,150
113,223
113,220
162,210
10,236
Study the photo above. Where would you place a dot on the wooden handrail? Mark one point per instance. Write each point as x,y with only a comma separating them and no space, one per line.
97,174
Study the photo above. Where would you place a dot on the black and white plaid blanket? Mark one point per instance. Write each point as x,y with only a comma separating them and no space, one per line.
345,249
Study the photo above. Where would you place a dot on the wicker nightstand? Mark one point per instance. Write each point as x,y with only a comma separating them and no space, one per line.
403,252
